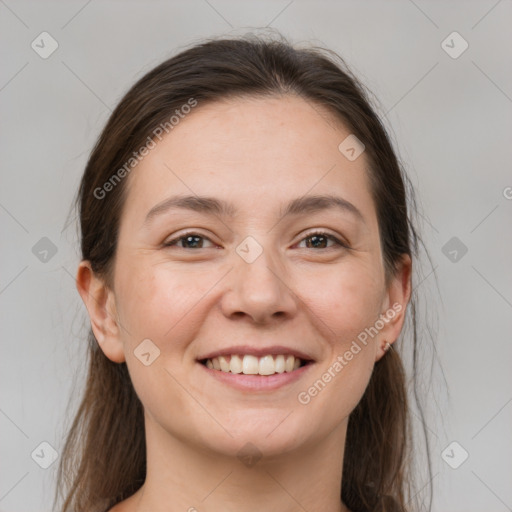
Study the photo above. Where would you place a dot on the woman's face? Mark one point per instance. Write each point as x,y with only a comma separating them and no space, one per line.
251,280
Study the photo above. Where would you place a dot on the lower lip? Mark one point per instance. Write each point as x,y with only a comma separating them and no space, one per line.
258,382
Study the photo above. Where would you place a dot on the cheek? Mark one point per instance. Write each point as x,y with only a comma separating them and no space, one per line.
347,302
161,304
337,390
158,303
347,299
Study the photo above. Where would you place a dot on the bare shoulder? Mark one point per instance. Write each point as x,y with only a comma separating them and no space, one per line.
120,507
123,506
127,505
116,508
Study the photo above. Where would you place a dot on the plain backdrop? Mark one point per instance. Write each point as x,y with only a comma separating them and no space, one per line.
448,109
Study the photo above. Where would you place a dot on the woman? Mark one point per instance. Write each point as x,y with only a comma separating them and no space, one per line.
246,267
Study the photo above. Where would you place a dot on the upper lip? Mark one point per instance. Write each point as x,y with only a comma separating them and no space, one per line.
243,350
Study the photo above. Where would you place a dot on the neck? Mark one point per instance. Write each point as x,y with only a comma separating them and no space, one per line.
180,477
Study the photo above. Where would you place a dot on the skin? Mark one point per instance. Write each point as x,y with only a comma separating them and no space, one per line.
257,153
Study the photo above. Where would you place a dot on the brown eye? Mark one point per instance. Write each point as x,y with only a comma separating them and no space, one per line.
189,241
319,240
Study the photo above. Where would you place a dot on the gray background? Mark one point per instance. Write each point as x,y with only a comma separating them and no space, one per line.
450,119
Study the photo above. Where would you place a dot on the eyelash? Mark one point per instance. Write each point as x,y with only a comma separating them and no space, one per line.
334,239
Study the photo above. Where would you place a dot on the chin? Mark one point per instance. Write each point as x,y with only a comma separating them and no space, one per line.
268,437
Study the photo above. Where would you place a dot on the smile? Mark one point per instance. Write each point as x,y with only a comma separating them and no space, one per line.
252,365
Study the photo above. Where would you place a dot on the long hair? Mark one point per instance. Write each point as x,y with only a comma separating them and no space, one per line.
104,456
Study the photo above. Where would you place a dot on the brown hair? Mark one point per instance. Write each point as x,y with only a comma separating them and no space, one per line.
103,460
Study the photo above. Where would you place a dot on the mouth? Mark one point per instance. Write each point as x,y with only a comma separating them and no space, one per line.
248,364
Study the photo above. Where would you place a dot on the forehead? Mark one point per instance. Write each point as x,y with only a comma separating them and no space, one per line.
251,151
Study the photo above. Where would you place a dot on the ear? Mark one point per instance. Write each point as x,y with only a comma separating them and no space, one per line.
395,303
100,303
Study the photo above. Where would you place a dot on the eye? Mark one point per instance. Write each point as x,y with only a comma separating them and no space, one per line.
189,238
319,238
193,241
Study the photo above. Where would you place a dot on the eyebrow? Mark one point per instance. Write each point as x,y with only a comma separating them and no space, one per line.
213,206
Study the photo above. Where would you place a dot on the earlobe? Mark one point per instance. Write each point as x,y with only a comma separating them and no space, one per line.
384,347
100,304
398,295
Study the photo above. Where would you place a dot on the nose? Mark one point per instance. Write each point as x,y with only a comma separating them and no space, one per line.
259,291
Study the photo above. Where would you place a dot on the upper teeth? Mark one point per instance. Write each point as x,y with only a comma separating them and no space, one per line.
252,365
